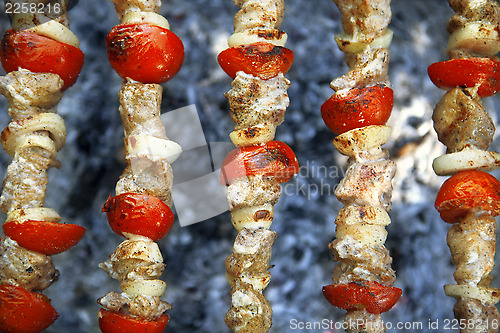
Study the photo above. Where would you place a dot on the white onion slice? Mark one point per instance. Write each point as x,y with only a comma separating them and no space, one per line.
467,159
486,295
348,44
356,140
47,27
137,17
245,217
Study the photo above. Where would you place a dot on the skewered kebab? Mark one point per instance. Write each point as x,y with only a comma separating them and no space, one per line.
357,113
145,53
469,199
257,61
42,59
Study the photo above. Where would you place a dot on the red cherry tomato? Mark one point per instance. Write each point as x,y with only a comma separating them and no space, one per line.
358,108
144,52
115,322
467,73
39,54
139,214
22,311
467,190
370,295
45,237
260,59
274,159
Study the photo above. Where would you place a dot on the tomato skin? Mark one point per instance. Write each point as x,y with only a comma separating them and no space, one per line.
40,54
114,322
358,108
22,311
45,237
465,191
144,52
260,59
370,295
139,214
467,73
274,159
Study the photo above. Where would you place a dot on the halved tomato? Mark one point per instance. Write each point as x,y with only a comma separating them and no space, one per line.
139,214
465,191
45,237
39,54
22,311
144,52
260,59
115,322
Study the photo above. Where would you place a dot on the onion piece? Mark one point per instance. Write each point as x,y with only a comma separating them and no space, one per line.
145,17
467,159
486,295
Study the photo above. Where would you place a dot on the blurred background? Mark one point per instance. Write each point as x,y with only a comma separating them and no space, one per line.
92,161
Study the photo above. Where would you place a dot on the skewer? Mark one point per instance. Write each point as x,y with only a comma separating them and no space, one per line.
356,113
257,61
42,59
145,53
469,198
